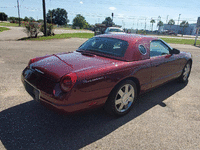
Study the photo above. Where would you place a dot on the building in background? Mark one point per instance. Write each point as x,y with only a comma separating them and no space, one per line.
190,30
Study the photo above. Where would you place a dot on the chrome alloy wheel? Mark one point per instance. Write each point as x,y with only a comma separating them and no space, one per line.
124,98
186,71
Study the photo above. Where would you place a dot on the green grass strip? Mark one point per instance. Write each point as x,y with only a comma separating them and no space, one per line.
9,24
90,35
61,36
3,29
181,41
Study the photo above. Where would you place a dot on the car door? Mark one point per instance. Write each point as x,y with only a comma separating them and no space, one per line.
161,62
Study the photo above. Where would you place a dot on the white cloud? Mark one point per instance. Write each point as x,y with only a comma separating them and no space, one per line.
112,8
81,2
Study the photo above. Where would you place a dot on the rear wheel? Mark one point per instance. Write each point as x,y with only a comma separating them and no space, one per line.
121,98
186,73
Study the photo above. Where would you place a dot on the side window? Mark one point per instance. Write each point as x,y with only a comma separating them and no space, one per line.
158,48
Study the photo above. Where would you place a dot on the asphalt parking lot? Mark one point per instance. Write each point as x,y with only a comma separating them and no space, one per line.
165,118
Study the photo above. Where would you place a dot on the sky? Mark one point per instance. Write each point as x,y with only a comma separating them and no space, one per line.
129,14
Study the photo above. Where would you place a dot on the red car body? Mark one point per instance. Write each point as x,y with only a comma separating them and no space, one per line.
92,76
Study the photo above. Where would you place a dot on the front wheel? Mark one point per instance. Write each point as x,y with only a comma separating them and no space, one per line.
186,73
122,98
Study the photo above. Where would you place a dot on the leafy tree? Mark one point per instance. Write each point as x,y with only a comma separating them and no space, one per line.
40,20
159,24
14,19
184,24
171,22
31,19
57,16
152,22
3,16
79,21
108,22
26,19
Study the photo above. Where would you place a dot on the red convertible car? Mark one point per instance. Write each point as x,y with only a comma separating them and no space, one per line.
108,70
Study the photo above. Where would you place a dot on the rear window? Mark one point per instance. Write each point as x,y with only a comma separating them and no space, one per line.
115,30
109,46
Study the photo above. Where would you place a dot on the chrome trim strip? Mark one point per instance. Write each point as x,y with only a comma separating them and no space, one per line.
39,71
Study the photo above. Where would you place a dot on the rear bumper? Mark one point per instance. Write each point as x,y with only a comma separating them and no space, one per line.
73,108
60,104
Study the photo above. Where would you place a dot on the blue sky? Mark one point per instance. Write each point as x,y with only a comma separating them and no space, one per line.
129,13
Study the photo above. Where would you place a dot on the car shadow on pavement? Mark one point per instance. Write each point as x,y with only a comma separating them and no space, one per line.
31,126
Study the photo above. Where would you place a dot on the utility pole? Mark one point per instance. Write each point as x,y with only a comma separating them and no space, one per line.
112,18
44,17
18,12
197,31
179,18
145,24
159,18
167,18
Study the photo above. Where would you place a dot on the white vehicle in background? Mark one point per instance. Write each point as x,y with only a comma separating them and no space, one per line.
114,30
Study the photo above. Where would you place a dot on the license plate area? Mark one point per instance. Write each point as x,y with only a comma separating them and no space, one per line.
34,92
37,94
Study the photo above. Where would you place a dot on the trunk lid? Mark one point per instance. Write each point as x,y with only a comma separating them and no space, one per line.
57,65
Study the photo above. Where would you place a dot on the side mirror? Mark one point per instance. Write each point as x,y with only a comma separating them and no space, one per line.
174,51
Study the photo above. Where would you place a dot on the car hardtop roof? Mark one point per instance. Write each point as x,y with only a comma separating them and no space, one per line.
128,37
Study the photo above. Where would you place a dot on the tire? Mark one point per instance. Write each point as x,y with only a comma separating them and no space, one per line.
122,98
186,73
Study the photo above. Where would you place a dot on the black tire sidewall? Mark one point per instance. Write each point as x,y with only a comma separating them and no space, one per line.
181,77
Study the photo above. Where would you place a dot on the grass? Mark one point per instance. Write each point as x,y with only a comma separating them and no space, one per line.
90,35
3,29
181,41
60,36
68,28
9,24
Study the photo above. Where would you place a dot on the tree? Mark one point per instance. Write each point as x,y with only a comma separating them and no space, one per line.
184,24
40,20
14,19
108,22
171,22
57,16
31,19
159,24
3,16
152,22
26,19
79,21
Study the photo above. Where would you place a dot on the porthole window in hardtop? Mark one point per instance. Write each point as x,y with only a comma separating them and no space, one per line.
142,50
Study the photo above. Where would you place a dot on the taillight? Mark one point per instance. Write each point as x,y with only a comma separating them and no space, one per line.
36,59
33,60
67,82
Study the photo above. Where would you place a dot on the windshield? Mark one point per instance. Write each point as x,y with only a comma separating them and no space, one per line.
110,46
